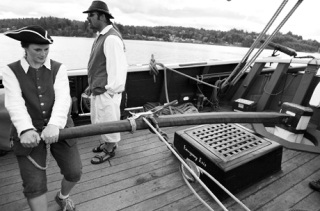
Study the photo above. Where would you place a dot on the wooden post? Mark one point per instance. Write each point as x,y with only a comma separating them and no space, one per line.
249,80
309,73
271,86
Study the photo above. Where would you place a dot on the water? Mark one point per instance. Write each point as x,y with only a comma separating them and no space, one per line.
74,51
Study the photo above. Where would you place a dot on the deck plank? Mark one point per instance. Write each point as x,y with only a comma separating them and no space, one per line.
144,175
269,188
311,202
292,196
133,195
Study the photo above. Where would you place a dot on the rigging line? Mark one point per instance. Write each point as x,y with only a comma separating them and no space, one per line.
195,192
192,78
281,91
224,189
276,14
267,41
153,68
284,87
235,80
206,99
166,87
185,165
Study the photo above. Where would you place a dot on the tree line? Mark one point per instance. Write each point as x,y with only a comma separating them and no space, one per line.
235,37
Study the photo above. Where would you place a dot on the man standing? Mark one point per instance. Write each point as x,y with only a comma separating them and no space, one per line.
107,74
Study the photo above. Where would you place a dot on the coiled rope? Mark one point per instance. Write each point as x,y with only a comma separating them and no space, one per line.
185,108
155,71
85,100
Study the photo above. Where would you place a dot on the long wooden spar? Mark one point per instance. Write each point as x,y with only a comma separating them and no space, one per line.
175,120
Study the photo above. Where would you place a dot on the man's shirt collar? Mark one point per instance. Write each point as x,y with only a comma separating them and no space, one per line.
105,30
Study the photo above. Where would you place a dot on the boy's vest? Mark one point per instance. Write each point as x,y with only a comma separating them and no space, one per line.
37,91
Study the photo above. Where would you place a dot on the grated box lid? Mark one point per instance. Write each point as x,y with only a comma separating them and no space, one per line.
227,141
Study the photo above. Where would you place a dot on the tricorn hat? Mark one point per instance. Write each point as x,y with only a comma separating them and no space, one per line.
99,6
31,34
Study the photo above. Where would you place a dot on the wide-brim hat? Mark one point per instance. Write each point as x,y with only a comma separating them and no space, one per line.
30,34
99,6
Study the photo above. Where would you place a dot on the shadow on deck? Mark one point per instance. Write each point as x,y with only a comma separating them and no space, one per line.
144,175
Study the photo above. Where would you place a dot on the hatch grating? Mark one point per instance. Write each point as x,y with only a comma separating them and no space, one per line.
227,141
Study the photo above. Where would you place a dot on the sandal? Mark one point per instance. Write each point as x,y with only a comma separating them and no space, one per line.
103,156
98,148
3,152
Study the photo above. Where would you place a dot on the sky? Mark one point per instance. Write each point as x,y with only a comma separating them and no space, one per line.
247,15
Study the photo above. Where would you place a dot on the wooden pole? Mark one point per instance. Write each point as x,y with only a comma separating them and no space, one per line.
174,120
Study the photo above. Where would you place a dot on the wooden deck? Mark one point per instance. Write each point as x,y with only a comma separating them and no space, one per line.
144,175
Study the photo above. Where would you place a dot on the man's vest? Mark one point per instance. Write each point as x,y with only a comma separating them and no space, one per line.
37,91
97,66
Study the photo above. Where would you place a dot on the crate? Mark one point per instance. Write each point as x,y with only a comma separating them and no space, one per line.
233,155
244,105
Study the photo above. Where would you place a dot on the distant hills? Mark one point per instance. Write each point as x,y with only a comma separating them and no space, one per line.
234,37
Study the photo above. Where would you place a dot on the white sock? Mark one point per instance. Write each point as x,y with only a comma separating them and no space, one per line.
62,196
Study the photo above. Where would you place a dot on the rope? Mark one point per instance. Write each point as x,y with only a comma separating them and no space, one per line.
214,96
154,71
264,31
193,173
133,124
235,80
263,46
214,104
185,108
47,159
166,88
153,66
85,100
155,125
224,189
194,192
284,88
214,180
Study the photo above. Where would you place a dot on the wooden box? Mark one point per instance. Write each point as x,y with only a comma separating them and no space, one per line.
244,105
232,154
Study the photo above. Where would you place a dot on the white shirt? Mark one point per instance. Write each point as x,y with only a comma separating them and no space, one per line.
15,103
116,62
